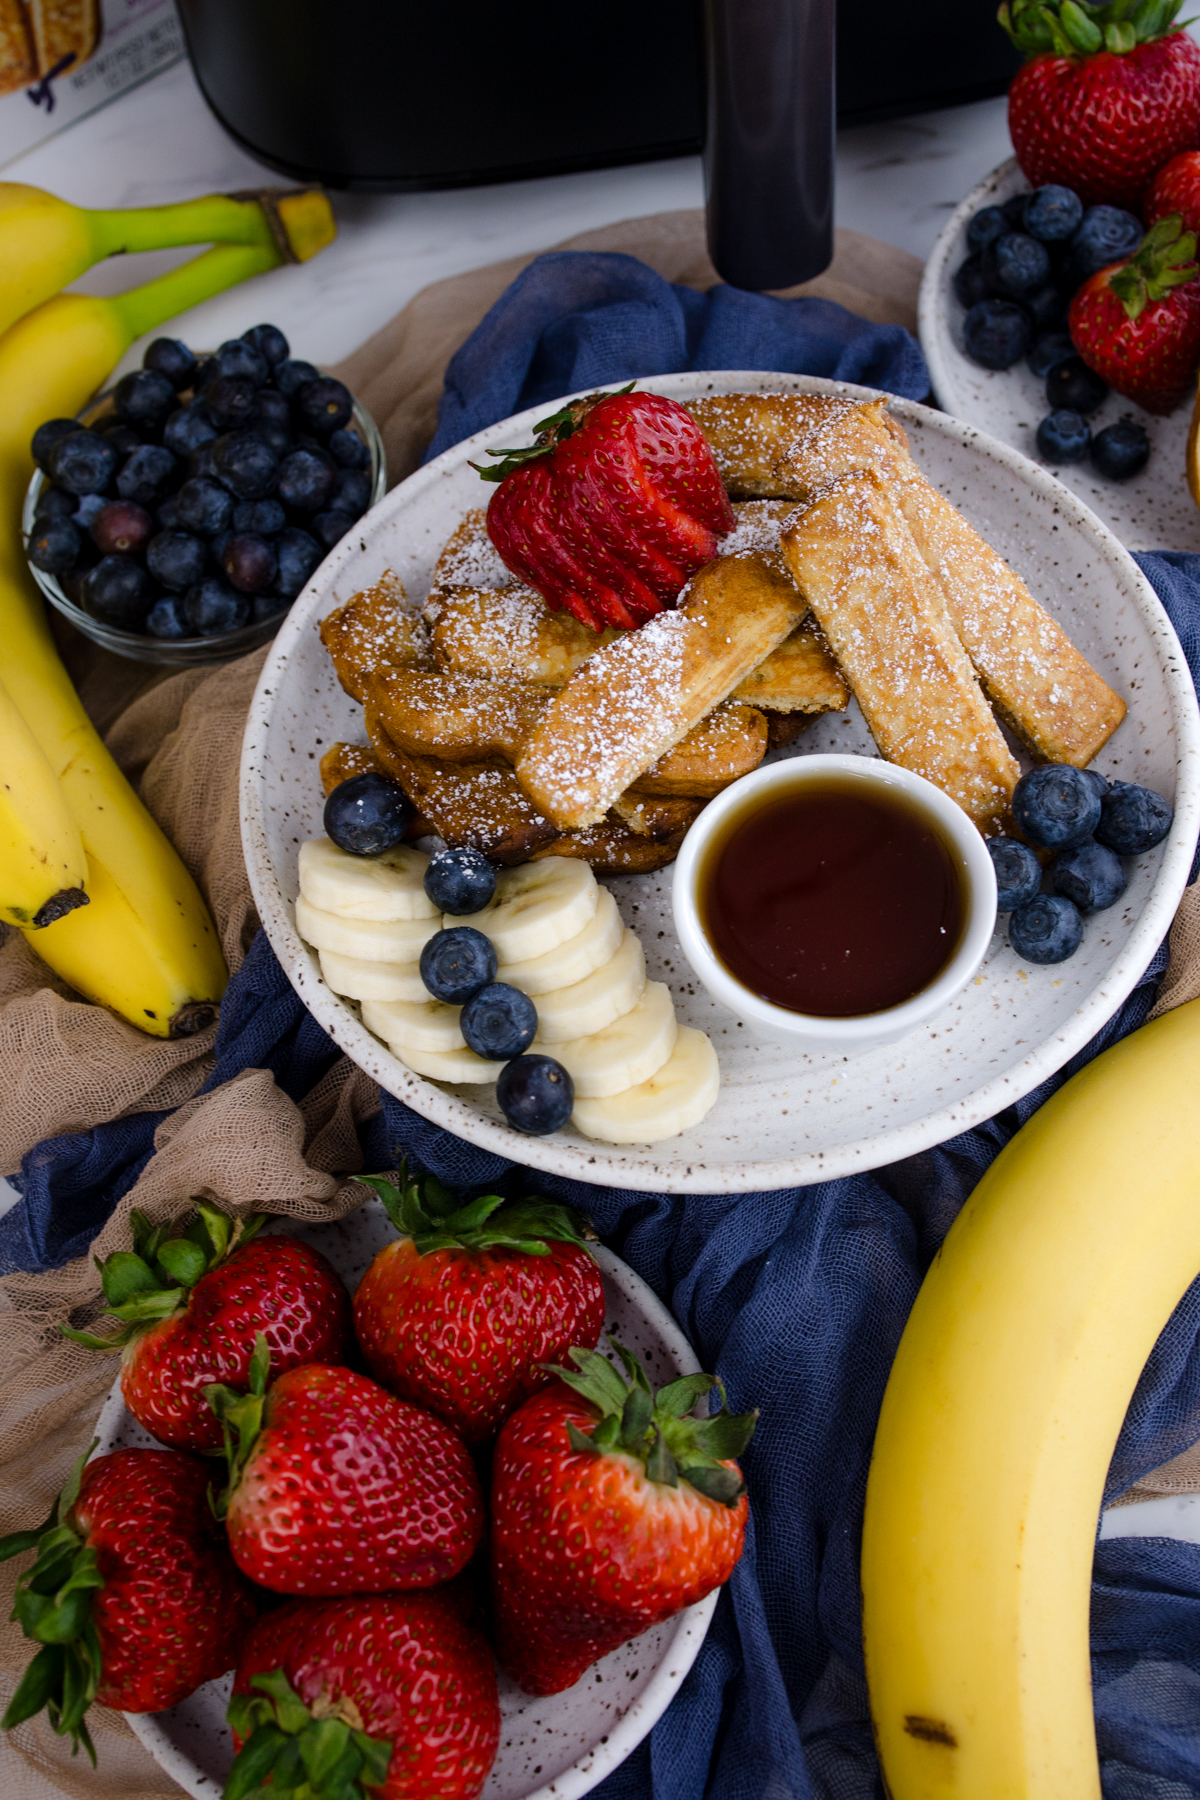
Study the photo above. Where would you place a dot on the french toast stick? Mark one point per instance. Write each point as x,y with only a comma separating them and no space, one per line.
646,815
884,615
612,850
510,631
18,65
785,445
800,676
634,700
468,558
479,804
454,716
373,629
65,32
728,742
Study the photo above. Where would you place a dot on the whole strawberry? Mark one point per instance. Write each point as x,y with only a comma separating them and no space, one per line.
134,1595
1176,189
396,1693
1137,324
1109,94
336,1487
613,509
191,1308
611,1511
460,1313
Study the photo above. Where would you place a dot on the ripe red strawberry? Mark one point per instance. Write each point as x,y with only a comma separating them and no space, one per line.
191,1310
134,1594
611,1511
460,1313
394,1692
1108,95
336,1487
1138,323
1176,189
612,510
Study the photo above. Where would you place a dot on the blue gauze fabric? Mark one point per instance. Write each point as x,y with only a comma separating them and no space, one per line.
796,1298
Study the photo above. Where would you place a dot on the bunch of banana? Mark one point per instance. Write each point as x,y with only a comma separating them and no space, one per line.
1008,1391
85,872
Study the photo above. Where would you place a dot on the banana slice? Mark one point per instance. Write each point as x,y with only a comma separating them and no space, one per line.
568,963
537,907
673,1100
625,1053
406,1025
384,887
589,1005
356,980
448,1065
368,940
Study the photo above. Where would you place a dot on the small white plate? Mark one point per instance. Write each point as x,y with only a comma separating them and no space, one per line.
1154,511
555,1748
783,1117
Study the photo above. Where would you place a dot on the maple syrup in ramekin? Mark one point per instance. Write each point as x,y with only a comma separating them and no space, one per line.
834,897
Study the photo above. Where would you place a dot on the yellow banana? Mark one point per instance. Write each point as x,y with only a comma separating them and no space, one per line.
1008,1391
42,868
46,242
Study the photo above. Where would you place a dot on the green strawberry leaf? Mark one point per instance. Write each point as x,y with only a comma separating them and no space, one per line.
422,1208
123,1274
1083,34
679,1397
241,1417
184,1260
722,1485
254,1760
291,1755
474,1213
635,1418
660,1464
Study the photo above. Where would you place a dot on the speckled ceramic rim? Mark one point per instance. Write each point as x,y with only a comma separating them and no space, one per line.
677,1657
678,1172
809,1031
931,321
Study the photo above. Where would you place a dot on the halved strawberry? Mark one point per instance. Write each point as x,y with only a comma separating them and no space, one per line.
1137,323
612,510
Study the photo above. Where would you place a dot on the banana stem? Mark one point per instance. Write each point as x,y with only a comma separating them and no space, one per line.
142,308
212,218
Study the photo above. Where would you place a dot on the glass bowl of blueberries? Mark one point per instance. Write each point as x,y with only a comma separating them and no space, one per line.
178,517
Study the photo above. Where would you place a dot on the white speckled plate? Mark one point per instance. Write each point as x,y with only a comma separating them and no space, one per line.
783,1118
1154,511
550,1749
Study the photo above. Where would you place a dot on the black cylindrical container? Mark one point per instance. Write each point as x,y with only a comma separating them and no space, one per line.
768,159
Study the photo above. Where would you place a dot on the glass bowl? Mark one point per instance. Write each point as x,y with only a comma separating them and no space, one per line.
180,653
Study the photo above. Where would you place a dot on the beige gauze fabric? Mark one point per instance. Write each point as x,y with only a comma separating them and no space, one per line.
69,1066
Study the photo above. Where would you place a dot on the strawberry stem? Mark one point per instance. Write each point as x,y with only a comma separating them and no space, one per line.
1078,28
551,432
421,1208
1164,259
325,1758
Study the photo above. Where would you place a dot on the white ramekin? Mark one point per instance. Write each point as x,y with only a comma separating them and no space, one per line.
811,1031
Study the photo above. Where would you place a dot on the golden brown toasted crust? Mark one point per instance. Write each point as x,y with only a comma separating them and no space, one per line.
784,728
636,699
885,617
467,559
61,29
800,676
787,444
654,816
341,761
611,850
458,717
479,803
373,629
1039,683
730,741
510,631
18,66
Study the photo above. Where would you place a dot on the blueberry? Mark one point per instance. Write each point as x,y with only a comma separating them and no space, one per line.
54,546
249,562
330,527
247,466
1097,782
267,606
460,881
1089,874
271,408
1018,872
263,517
1016,265
1072,384
200,462
1048,930
985,226
123,438
456,962
165,618
353,493
1121,450
55,503
307,479
1063,437
238,358
1013,210
996,333
172,358
368,814
216,550
85,512
47,436
536,1094
1106,235
1053,213
270,343
230,401
322,406
298,555
176,559
212,607
1047,309
1049,348
121,527
117,591
166,516
145,398
187,429
1056,806
498,1022
1133,819
290,375
148,474
348,449
83,462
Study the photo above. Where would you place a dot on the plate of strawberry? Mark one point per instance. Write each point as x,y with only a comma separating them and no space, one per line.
416,1504
1060,308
